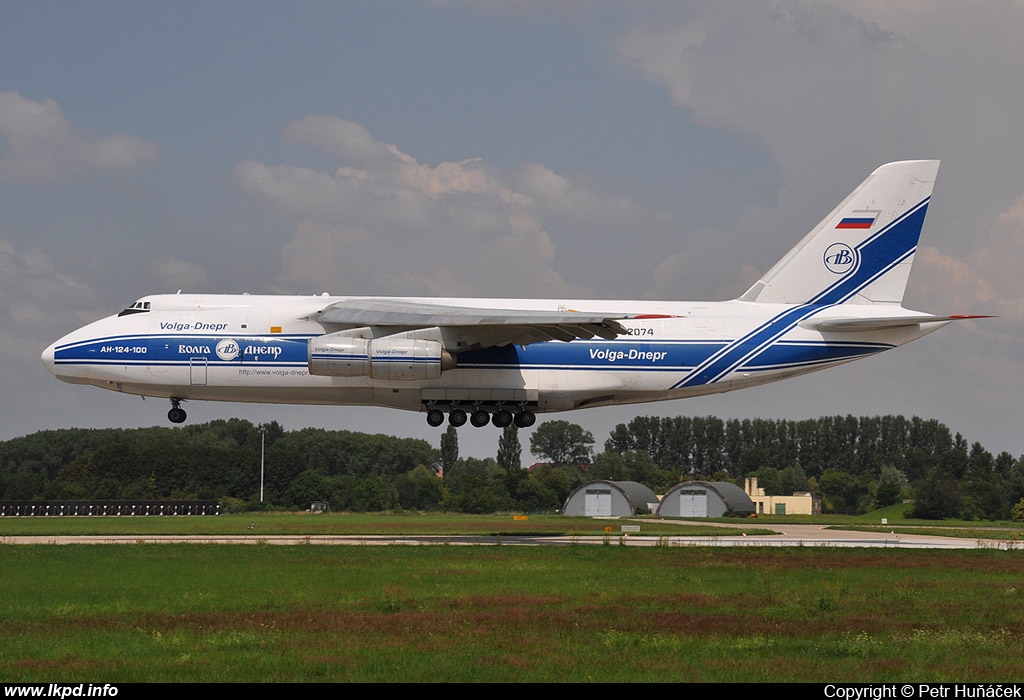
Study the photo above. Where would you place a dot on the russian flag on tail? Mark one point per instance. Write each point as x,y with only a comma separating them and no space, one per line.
857,222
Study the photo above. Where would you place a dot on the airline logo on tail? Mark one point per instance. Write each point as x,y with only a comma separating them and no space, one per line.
840,258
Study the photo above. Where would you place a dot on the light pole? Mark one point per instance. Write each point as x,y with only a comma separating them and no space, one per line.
263,442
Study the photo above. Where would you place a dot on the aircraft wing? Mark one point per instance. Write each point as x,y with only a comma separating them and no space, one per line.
474,327
878,323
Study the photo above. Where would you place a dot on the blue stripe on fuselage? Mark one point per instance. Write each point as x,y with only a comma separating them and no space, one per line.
625,355
679,356
180,350
669,356
795,353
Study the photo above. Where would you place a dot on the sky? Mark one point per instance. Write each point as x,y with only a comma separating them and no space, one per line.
555,148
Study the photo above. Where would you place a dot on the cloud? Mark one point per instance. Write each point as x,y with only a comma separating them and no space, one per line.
33,290
39,302
948,285
384,223
351,142
44,146
834,89
1001,256
846,83
575,199
794,72
988,282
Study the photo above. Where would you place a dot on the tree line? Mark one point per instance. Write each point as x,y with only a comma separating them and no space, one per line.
853,464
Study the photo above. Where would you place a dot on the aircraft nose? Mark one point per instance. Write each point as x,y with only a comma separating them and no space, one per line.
47,358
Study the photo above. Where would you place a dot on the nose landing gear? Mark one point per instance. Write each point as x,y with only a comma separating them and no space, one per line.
177,413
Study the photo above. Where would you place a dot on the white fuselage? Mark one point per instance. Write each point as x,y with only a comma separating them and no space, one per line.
256,349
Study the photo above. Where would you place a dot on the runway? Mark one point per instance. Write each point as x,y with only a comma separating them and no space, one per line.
732,536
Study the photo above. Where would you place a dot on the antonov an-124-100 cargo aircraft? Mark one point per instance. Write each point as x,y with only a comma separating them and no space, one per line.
836,297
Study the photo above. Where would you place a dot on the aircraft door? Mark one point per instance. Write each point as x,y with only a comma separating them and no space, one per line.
197,371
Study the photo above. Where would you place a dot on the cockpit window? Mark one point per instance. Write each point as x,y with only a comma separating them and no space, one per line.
139,307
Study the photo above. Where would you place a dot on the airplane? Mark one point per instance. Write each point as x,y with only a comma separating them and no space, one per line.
834,298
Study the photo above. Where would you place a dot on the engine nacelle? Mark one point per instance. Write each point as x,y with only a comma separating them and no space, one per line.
397,357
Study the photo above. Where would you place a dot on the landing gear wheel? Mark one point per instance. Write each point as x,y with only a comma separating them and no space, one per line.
177,415
457,417
525,419
435,417
502,418
480,418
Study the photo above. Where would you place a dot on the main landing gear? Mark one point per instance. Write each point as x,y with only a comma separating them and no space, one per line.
500,416
177,413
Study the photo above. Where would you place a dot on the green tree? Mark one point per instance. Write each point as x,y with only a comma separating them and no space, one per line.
632,466
510,457
558,480
534,497
307,487
476,486
373,493
419,489
1018,511
791,479
887,493
841,492
936,497
449,449
562,442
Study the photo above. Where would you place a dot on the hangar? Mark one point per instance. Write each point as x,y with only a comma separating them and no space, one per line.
705,499
610,499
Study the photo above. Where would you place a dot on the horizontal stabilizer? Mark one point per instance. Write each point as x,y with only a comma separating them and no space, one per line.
879,323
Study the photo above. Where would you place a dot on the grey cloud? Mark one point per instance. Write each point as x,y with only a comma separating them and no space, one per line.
44,145
34,291
351,142
392,225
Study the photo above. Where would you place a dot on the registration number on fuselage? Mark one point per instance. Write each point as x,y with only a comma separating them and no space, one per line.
122,349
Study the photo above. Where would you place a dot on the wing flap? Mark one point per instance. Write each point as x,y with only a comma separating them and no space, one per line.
475,327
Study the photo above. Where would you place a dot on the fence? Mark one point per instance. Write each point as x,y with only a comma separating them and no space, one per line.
11,508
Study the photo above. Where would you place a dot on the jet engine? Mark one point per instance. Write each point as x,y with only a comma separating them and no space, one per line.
397,357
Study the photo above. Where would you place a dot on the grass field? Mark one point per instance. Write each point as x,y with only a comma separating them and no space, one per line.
283,523
102,613
350,524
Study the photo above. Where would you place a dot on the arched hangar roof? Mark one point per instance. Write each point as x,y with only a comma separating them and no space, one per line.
733,497
634,494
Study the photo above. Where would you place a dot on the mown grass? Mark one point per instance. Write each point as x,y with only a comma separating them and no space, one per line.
896,521
389,524
349,524
1011,534
102,613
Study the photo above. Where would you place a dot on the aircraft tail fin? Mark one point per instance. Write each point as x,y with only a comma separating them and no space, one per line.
861,253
